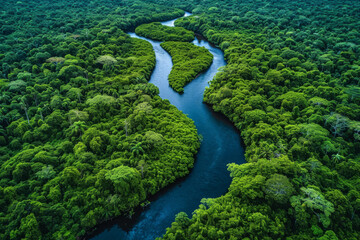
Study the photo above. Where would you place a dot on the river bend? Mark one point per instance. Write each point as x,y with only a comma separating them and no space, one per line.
209,178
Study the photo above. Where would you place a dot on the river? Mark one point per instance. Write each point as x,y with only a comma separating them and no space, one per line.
209,178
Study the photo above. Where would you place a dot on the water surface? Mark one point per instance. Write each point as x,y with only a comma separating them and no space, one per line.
209,178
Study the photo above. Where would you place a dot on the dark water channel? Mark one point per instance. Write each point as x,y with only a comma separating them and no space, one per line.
209,178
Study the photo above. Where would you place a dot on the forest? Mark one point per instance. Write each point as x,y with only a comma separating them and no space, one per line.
85,138
159,32
291,87
189,61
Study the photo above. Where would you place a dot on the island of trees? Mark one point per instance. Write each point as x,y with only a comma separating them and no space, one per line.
291,87
84,137
188,60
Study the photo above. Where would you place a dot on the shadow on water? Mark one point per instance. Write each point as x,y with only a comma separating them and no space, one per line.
208,179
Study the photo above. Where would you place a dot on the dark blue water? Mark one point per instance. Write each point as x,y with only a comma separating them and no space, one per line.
209,177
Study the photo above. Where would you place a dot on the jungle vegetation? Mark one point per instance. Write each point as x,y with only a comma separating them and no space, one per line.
159,32
188,60
83,136
291,87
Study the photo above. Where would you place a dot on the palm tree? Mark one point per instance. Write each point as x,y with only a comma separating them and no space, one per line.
2,131
3,118
4,98
77,128
25,107
137,149
41,110
106,214
337,157
140,79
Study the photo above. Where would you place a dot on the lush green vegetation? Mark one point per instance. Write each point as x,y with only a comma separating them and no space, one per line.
83,136
292,87
188,60
159,32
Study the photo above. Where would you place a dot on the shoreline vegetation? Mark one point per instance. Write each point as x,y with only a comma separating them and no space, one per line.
291,88
83,137
188,60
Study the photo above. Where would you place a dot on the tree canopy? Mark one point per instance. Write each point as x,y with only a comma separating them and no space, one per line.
189,60
159,32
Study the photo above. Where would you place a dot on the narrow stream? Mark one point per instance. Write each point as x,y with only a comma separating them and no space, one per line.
209,178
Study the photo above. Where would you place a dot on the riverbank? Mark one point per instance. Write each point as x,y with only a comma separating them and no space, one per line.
209,177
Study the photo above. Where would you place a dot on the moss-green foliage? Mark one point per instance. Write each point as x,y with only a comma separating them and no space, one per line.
294,97
188,60
83,136
159,32
76,129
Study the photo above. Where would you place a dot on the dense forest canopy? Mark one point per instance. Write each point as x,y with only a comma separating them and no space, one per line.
159,32
84,137
189,61
292,87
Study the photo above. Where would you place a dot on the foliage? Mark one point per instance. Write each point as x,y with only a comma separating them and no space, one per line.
74,133
107,61
71,80
159,32
290,87
189,60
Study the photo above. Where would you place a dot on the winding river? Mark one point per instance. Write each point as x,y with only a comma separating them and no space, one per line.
209,178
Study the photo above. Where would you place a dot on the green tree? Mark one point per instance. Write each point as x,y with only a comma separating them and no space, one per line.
153,139
137,149
338,124
46,173
25,108
316,202
71,175
353,91
107,61
279,188
76,115
126,180
89,220
76,129
182,219
30,227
